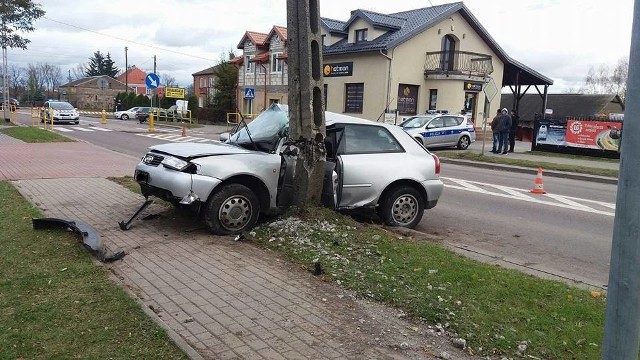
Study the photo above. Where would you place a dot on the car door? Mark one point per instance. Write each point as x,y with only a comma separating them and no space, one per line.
367,155
451,130
434,132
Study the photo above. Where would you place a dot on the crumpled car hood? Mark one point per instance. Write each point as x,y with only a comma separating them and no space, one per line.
194,150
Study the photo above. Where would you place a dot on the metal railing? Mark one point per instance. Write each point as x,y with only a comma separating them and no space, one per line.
457,62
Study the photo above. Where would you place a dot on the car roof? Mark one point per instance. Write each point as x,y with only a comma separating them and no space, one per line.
332,118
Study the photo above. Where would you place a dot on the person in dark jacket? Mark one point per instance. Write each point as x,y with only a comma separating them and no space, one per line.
504,127
512,132
494,131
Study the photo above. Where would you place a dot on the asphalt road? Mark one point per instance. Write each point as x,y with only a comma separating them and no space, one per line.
487,214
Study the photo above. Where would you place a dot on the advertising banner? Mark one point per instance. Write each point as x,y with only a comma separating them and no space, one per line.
338,69
550,133
407,99
594,134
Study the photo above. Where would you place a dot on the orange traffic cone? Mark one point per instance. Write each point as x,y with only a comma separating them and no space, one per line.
538,187
184,131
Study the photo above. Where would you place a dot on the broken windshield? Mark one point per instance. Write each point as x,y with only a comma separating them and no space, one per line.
265,130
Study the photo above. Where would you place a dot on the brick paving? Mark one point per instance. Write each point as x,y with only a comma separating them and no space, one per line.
225,298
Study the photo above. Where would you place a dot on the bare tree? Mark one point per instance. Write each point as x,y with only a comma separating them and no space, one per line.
53,76
78,72
607,80
17,80
169,81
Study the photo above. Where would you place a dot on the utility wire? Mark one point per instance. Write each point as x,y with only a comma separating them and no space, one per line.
127,40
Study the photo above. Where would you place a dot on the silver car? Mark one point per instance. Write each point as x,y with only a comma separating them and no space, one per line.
440,130
369,166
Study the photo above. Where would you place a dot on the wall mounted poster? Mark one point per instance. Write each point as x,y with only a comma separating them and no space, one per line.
594,134
550,133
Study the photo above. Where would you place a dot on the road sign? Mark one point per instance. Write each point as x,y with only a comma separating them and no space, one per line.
249,93
174,92
152,80
490,89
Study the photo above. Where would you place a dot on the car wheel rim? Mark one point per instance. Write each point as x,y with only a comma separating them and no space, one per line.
405,209
464,143
235,212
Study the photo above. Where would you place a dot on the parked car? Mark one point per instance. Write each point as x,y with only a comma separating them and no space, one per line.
12,102
173,113
126,114
440,130
369,165
142,114
61,111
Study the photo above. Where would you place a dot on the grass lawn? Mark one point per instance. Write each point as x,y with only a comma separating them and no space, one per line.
527,163
34,135
494,309
56,303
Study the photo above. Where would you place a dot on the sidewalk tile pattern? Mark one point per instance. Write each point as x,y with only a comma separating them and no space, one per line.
227,299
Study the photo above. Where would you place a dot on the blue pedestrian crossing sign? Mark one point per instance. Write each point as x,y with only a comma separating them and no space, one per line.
152,80
249,93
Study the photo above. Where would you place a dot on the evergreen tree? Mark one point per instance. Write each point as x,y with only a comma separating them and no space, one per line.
99,64
226,74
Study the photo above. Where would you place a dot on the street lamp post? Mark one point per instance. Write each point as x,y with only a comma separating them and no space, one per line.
5,88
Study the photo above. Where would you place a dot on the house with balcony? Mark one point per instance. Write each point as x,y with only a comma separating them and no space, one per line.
437,58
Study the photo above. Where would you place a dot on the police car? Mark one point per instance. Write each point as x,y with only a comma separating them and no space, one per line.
441,130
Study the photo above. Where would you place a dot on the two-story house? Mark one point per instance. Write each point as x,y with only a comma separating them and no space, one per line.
203,86
135,79
435,58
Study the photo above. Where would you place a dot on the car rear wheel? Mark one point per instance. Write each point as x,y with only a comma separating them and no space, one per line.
232,209
124,117
403,206
464,142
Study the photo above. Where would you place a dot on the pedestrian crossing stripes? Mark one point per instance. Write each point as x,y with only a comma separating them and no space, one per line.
177,138
79,128
568,202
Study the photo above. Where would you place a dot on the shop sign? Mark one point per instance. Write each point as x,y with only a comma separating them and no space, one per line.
407,99
600,135
338,69
472,86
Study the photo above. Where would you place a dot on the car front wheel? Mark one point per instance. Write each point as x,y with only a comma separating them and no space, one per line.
124,117
464,142
232,209
402,207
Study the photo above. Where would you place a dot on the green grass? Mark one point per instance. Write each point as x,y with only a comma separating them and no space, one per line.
572,156
56,303
34,134
527,163
493,308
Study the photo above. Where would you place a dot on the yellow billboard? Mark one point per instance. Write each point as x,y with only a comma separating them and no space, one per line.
173,92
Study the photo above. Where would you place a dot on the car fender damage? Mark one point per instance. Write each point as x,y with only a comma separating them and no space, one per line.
90,238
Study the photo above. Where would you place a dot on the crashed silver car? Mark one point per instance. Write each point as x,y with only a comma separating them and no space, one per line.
369,165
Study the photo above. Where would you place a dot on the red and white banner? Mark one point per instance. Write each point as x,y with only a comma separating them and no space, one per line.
594,134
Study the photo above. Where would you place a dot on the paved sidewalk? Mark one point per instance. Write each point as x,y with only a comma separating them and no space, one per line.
225,299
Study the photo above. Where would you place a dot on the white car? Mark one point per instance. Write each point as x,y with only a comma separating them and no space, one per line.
59,111
126,114
369,165
440,130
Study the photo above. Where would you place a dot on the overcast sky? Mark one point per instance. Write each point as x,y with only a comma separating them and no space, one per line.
558,38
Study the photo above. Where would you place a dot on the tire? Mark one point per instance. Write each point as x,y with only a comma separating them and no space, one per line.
77,122
232,209
124,117
464,142
404,206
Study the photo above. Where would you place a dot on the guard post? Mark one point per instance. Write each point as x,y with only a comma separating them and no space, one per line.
104,117
150,129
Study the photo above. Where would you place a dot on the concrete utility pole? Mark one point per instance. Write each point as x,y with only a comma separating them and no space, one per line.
306,111
126,71
622,322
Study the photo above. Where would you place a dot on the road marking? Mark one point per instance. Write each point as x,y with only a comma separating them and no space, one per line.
63,129
100,129
567,202
81,129
176,138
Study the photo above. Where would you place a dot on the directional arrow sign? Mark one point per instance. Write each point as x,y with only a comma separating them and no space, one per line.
152,80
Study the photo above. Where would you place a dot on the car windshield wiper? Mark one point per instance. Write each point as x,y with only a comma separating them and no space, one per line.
246,127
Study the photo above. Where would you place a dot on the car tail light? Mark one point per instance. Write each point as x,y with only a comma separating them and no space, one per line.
437,161
470,122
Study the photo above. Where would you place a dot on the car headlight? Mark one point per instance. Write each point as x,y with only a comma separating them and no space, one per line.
174,163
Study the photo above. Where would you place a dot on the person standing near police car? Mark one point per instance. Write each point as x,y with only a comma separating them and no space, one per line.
495,122
504,126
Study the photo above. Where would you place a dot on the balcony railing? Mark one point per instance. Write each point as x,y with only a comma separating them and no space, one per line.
457,63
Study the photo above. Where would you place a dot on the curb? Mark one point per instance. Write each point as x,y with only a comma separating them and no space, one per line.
526,170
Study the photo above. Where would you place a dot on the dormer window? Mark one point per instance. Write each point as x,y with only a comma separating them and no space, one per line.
361,35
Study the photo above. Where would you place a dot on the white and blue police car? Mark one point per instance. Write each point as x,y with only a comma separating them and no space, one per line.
441,130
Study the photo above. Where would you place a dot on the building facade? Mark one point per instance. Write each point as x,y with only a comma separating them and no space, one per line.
93,92
135,79
203,86
392,66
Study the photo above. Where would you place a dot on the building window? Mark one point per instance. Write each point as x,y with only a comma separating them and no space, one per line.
326,88
354,95
276,64
433,98
447,57
212,81
361,35
248,65
324,40
201,82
